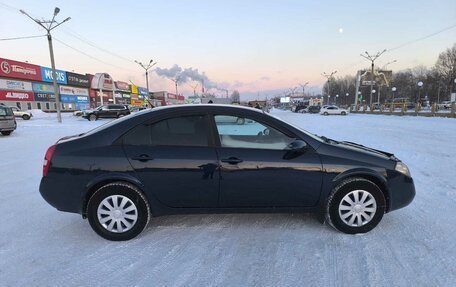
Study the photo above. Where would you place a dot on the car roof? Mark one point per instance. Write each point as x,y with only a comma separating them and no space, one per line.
198,107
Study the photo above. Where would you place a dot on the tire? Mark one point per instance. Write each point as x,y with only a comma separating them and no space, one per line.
325,113
120,115
92,117
136,211
25,117
240,121
337,206
6,133
343,113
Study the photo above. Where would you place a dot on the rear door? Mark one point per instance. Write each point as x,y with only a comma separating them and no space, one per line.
176,160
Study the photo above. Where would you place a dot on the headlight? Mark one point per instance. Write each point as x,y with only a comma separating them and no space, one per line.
402,168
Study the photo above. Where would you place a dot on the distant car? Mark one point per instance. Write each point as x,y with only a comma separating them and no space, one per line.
299,108
333,110
25,115
7,120
106,111
77,113
445,105
313,109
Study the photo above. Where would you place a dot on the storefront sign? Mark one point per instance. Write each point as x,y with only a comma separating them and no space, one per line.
74,99
126,96
44,97
79,80
20,70
16,96
66,90
101,81
6,84
134,89
122,86
46,75
42,88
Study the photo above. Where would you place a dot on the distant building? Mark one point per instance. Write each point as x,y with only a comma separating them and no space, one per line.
167,99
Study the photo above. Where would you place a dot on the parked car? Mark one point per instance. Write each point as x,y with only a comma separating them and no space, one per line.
445,105
186,159
7,120
106,111
333,110
313,109
25,115
298,108
78,113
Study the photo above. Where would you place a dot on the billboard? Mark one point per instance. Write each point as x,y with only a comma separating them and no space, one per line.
67,90
101,81
16,96
16,85
74,99
122,86
78,80
20,70
143,91
134,89
46,75
381,78
285,99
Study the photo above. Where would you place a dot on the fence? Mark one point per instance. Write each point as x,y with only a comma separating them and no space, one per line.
403,110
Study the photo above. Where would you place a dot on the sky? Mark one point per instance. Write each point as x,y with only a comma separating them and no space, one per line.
261,48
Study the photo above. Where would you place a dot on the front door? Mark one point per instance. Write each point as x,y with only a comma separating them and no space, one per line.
174,160
255,171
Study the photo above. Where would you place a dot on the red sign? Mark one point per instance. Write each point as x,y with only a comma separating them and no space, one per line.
16,96
20,70
122,86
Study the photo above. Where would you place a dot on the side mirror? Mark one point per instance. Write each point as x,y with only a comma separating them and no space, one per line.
295,149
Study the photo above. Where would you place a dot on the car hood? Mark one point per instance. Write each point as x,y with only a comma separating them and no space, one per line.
360,148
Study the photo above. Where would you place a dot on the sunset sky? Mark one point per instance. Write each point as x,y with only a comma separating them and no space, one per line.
254,46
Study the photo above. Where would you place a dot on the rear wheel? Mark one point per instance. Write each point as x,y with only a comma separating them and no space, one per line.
25,117
92,118
325,113
343,113
6,133
118,211
356,205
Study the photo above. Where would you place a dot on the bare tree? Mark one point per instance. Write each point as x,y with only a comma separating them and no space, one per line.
446,67
235,97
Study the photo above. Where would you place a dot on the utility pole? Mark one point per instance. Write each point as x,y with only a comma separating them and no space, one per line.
328,77
176,81
49,26
372,59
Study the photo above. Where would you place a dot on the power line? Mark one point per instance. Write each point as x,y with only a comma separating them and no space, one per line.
19,38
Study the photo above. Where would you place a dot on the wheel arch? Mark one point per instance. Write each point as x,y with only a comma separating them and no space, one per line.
98,182
376,177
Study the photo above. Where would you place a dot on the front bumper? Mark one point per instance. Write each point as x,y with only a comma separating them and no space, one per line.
401,191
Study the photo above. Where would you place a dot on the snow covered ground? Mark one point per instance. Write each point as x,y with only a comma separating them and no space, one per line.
414,246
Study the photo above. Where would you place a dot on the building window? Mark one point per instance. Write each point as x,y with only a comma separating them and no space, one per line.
29,106
55,106
18,105
47,106
38,105
63,106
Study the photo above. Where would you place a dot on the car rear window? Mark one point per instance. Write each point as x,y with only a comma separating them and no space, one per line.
6,111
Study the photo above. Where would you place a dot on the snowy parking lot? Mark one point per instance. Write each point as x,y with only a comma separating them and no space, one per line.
414,246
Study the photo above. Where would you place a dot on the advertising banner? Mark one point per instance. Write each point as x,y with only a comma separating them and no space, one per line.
78,80
74,99
16,96
20,70
82,106
15,85
143,91
46,75
134,89
42,88
101,81
122,86
66,90
44,97
381,78
126,96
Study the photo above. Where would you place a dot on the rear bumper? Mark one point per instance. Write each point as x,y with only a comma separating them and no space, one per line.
60,195
401,192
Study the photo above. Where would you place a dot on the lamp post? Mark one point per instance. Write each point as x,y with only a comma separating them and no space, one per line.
393,89
346,98
372,59
49,26
328,77
372,93
329,97
420,84
335,101
303,86
147,68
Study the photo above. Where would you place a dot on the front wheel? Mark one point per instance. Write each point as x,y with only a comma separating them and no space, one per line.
356,205
325,113
343,113
118,211
92,118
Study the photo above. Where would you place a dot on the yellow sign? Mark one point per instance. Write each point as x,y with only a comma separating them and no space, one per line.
134,89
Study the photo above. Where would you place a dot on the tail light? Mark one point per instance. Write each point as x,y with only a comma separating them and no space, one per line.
47,159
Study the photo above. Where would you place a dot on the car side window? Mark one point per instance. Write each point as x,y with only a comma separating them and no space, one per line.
178,131
236,132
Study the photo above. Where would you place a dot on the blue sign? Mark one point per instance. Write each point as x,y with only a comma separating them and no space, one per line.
82,106
142,91
42,88
46,75
74,99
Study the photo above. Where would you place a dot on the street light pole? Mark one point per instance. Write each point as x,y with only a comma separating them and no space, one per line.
372,59
303,86
147,68
49,26
328,77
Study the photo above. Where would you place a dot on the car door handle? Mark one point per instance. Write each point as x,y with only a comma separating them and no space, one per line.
232,160
143,158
